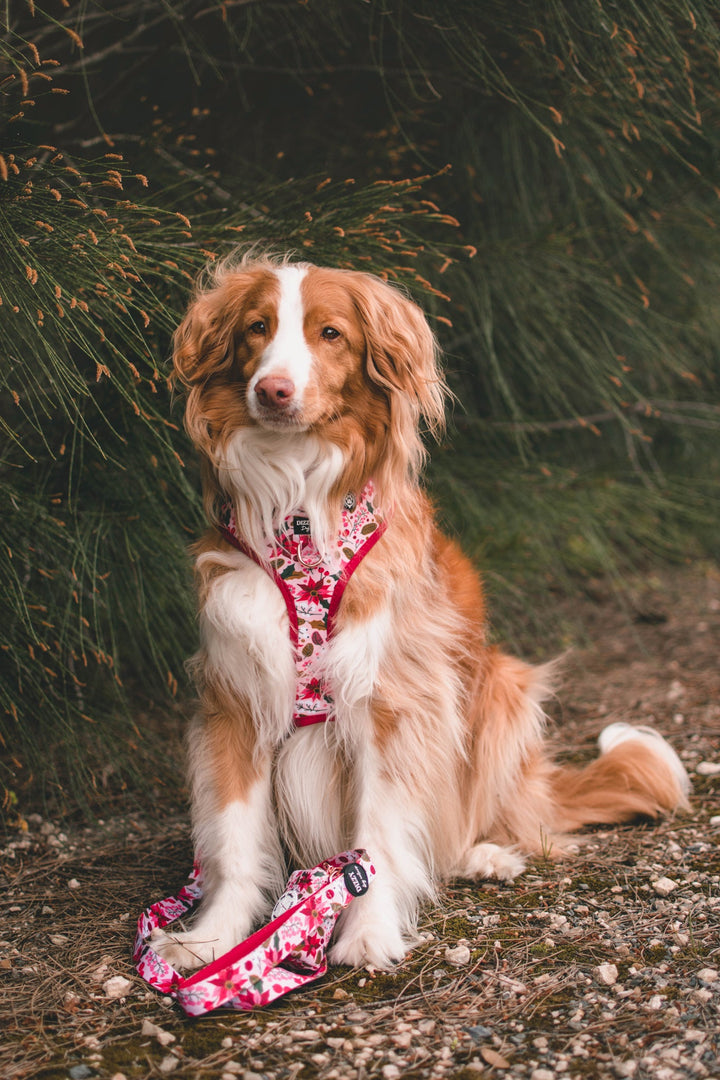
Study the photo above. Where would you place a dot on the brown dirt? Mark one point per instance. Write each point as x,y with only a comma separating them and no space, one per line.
535,996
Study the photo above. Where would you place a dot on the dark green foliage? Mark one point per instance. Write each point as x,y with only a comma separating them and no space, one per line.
568,260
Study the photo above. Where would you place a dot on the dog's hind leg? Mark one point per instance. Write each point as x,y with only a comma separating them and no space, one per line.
490,861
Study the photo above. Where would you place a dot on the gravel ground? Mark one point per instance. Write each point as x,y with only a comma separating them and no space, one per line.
604,964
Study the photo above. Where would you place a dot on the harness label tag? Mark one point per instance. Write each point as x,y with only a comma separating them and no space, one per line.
356,880
301,526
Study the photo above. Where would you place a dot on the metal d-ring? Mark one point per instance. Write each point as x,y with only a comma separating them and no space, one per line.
307,563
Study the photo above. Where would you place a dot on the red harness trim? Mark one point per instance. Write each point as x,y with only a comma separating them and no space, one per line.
286,551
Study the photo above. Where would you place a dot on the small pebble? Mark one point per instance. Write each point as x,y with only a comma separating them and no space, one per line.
116,987
478,1032
357,1017
708,768
664,886
459,955
162,1036
606,974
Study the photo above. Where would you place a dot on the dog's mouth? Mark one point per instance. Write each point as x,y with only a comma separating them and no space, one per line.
280,421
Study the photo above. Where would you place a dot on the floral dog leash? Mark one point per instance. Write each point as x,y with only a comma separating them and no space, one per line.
287,953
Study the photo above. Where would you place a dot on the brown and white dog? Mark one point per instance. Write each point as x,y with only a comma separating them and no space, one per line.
305,384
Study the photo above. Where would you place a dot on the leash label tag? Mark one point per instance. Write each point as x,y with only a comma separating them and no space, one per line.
301,526
356,880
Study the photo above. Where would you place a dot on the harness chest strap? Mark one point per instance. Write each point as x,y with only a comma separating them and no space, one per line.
312,589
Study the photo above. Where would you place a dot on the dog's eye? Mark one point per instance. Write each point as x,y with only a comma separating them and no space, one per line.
257,328
329,333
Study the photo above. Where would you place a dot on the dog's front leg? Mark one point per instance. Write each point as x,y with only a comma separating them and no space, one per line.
378,928
246,676
235,837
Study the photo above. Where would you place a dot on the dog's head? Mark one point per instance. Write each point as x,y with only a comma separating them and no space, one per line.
291,347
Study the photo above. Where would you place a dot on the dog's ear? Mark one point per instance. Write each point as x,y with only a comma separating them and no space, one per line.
402,354
203,342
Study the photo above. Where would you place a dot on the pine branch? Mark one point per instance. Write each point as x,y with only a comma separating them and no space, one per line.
671,411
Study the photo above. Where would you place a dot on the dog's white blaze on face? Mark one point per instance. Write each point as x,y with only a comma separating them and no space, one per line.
287,354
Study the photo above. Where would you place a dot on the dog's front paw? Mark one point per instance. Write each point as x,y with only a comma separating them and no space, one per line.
367,939
188,949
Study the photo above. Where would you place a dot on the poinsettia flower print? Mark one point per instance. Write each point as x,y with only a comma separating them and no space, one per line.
313,690
315,916
225,981
315,589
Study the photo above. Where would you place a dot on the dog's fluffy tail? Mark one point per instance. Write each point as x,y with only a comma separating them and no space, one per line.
637,774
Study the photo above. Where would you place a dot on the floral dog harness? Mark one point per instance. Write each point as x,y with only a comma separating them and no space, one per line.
287,953
312,589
